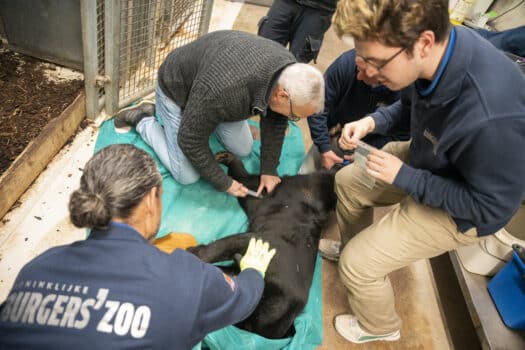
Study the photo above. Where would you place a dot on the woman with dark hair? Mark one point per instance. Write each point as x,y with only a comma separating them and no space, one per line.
115,290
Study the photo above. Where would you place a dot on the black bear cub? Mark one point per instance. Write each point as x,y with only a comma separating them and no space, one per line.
290,219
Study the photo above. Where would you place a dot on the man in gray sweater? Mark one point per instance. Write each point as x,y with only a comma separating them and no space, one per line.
214,84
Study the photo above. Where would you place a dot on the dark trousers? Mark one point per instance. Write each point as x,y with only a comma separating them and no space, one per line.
301,27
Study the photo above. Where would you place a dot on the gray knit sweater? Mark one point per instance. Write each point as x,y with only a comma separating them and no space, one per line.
225,76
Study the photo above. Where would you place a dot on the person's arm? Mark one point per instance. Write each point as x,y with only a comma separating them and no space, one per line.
227,300
388,117
318,124
224,300
338,76
197,124
273,127
492,165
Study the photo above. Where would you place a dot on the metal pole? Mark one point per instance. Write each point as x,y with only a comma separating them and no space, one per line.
88,16
204,25
112,54
150,47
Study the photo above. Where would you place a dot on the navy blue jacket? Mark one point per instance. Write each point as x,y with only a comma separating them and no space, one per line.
348,99
510,40
117,291
467,154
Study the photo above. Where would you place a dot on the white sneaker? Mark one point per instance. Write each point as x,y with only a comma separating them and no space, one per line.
348,327
329,249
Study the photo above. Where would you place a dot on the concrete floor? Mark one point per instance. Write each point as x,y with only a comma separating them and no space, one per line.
41,221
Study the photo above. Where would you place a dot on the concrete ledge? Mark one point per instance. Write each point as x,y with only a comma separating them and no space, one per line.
492,332
35,157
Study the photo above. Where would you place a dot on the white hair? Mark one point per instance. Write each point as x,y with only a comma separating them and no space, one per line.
304,84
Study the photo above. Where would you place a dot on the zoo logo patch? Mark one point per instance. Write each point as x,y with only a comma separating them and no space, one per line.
230,281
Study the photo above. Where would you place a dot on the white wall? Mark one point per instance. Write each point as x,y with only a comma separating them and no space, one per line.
512,19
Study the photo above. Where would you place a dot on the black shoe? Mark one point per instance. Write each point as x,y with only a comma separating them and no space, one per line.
131,116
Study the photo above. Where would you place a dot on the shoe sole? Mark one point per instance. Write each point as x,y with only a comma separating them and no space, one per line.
135,106
329,257
329,253
393,337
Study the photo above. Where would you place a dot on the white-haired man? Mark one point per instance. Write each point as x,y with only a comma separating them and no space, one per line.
213,85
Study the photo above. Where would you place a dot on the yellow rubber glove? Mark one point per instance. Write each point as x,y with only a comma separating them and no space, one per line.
257,256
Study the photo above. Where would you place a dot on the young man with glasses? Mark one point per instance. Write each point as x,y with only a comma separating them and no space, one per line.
349,96
458,179
213,85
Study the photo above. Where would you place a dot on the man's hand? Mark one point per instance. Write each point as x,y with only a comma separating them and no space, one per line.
383,166
355,131
269,182
329,159
237,189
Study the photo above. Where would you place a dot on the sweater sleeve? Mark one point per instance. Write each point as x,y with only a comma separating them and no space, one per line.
196,127
226,300
318,124
492,169
273,128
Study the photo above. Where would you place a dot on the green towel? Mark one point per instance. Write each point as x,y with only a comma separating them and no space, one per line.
209,215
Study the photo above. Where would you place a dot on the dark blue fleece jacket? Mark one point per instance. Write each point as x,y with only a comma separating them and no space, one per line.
348,99
115,290
467,154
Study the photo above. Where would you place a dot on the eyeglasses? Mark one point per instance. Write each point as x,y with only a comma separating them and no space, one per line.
380,66
291,117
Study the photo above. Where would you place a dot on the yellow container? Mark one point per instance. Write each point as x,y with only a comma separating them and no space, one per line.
461,10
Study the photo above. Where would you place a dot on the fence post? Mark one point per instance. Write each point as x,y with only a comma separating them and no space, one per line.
206,13
112,53
88,15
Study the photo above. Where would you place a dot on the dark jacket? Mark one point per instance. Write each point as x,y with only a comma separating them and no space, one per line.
510,40
348,99
225,76
329,5
468,137
115,290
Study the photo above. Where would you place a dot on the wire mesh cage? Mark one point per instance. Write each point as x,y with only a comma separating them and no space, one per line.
129,41
149,31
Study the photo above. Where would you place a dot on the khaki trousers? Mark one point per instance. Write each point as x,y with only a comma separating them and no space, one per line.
411,231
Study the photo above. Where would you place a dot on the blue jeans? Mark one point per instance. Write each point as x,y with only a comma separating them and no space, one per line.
234,136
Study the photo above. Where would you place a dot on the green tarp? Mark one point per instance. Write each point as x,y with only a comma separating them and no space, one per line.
209,215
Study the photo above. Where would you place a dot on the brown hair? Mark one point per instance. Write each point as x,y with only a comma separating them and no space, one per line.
114,182
395,23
